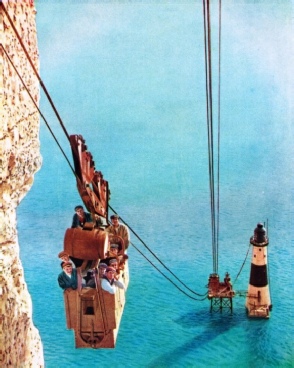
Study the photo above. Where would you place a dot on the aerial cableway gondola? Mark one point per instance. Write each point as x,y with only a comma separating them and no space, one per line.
93,313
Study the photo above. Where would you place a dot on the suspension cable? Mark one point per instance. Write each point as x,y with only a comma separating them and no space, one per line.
37,107
219,121
67,135
48,126
34,68
214,204
154,255
181,290
242,264
209,117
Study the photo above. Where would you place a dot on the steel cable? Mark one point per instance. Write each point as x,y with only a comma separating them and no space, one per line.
67,135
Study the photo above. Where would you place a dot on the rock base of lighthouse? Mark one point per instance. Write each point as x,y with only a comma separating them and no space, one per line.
256,302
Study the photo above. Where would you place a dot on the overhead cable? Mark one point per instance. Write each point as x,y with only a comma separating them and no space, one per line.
214,206
154,255
34,68
68,137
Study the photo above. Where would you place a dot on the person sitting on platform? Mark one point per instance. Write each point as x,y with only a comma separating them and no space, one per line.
80,217
121,261
119,229
90,279
101,269
68,277
64,257
113,263
118,266
113,250
109,281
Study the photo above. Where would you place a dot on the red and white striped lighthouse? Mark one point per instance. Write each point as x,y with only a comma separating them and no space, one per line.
258,301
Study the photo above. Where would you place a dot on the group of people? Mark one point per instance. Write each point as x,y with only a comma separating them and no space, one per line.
108,277
116,228
109,269
106,274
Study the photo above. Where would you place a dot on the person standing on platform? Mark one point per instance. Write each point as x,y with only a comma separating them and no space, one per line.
119,229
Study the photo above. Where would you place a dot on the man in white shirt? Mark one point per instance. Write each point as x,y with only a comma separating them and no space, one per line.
109,283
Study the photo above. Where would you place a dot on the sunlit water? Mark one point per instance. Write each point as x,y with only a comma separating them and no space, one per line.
130,78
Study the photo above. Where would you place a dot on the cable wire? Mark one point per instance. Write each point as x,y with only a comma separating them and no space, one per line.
155,256
52,133
37,107
182,291
209,117
214,203
218,130
68,137
34,68
242,264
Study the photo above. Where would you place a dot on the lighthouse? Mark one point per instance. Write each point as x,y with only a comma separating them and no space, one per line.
258,301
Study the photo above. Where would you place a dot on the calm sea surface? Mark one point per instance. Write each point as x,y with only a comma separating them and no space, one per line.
129,76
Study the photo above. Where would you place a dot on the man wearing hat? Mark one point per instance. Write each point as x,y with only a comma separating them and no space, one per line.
119,229
113,252
68,277
101,269
64,257
109,283
91,282
113,262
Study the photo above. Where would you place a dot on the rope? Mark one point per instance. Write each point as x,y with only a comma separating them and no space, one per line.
37,107
154,255
242,264
48,126
67,135
209,118
218,130
34,69
182,291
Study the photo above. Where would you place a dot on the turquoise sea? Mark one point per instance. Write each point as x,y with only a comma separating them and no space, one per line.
129,77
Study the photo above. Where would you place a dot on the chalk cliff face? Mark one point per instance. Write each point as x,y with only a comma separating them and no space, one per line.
20,343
